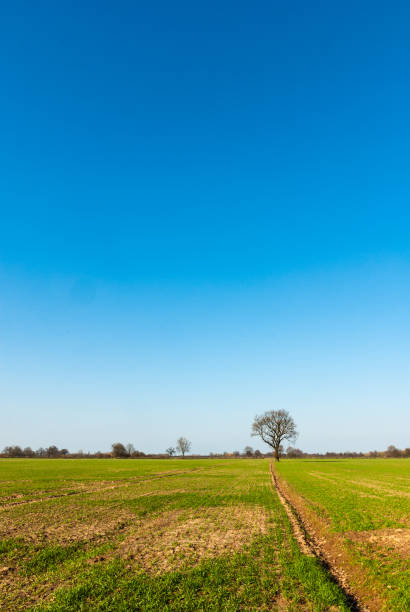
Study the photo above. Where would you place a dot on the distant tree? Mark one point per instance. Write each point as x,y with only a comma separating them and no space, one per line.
248,451
406,452
170,451
41,452
64,452
236,454
119,450
28,452
273,427
130,449
13,451
294,453
52,451
257,454
183,446
392,451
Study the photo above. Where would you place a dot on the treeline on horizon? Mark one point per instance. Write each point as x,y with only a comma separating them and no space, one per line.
121,451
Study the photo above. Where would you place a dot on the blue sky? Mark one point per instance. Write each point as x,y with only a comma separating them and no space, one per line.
204,215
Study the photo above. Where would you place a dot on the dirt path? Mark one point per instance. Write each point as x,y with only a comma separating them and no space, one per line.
310,546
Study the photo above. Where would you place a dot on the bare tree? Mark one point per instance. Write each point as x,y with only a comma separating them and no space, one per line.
119,450
13,451
248,451
183,446
273,427
130,449
170,451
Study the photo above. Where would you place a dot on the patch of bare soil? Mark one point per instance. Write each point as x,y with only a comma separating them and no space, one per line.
397,540
178,538
25,593
72,523
65,525
19,499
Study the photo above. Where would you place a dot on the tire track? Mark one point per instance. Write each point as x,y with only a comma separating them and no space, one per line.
310,547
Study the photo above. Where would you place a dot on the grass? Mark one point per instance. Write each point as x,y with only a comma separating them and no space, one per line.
50,557
199,534
363,506
151,535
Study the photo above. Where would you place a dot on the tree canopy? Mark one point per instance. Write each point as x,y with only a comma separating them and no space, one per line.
273,427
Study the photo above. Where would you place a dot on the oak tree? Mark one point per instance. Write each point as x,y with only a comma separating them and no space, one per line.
273,427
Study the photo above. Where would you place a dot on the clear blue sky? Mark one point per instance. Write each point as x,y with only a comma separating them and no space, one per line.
204,215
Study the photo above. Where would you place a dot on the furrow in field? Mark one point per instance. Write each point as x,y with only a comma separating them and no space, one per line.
314,546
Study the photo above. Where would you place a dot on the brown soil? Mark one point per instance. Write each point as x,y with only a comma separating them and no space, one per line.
74,523
65,527
397,540
177,539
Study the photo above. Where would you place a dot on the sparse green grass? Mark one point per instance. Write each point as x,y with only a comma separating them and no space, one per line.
152,535
367,504
50,557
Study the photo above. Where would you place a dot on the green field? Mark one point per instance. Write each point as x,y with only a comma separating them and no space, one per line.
362,507
187,534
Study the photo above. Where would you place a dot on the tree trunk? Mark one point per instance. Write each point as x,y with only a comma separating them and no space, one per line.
276,454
